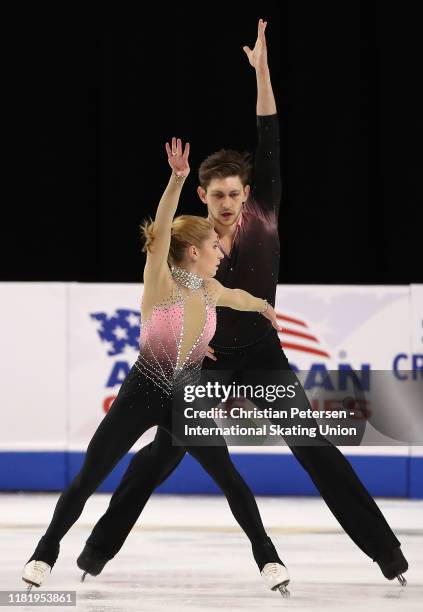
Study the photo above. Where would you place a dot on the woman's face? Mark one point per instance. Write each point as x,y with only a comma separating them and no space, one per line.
208,256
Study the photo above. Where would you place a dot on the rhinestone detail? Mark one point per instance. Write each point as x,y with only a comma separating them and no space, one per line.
162,336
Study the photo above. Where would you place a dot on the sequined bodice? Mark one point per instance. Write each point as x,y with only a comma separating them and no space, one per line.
175,337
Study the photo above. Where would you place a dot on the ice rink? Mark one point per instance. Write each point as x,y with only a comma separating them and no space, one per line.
189,554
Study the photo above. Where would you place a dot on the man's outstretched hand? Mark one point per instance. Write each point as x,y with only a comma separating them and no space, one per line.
210,353
258,56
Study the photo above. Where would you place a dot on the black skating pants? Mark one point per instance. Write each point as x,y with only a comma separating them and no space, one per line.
330,471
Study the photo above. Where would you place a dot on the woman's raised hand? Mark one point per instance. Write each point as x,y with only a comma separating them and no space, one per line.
178,161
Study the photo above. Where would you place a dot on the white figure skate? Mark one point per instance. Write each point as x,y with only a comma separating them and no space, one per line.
34,573
276,577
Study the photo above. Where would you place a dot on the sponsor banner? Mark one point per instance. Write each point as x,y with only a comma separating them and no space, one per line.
68,347
33,331
326,327
104,325
415,484
322,328
415,359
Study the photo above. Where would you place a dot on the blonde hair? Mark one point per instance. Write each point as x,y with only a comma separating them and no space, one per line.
186,230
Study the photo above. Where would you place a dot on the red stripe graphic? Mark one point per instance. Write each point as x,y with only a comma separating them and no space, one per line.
304,349
291,320
291,332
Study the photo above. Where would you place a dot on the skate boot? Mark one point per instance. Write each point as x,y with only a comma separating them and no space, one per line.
393,565
276,577
34,573
272,570
91,561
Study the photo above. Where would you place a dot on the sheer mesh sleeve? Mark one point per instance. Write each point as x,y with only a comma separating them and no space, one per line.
267,185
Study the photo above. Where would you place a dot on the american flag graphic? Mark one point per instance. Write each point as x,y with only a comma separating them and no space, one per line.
122,329
118,331
295,336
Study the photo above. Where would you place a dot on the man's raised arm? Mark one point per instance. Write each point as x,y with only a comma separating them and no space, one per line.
267,181
257,57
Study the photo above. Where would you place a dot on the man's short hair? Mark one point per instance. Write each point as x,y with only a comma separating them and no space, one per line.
224,163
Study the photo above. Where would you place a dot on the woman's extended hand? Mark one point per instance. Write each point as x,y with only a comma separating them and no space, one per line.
178,161
270,314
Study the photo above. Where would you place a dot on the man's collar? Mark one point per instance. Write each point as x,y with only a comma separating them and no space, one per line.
238,223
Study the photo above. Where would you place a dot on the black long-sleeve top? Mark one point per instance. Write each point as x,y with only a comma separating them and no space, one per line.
253,263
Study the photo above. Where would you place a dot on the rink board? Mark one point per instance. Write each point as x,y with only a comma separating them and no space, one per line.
267,474
63,363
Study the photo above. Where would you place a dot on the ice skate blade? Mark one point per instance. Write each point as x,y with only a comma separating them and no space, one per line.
29,585
83,576
402,580
282,589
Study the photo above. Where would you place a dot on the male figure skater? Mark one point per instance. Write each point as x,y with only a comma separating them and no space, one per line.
247,224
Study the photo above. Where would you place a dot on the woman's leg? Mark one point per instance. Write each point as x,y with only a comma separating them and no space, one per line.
147,470
133,412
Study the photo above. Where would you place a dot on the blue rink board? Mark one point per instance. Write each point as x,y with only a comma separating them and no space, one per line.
267,474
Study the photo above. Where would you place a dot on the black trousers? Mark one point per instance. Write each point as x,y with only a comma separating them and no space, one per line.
138,406
331,473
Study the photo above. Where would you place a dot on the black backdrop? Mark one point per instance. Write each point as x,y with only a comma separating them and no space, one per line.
99,97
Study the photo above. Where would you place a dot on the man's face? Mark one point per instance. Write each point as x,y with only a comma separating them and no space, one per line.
224,198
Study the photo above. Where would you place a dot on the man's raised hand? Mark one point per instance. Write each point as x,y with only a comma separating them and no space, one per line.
258,56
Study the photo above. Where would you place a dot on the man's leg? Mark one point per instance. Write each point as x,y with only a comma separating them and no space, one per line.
347,498
330,471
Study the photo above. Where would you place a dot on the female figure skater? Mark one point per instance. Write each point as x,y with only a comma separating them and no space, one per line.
178,321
